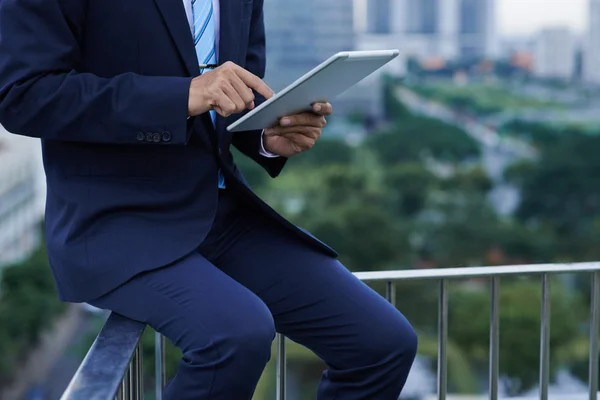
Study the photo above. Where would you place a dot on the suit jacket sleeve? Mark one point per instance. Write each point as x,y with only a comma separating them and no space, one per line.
249,142
42,94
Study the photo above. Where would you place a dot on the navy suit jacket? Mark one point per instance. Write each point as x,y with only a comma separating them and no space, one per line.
132,183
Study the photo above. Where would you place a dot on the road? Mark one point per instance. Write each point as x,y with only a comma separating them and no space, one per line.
497,152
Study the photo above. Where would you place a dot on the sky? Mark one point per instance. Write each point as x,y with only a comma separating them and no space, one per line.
525,17
518,17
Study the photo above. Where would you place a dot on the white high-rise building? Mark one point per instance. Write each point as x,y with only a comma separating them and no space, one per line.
22,197
478,28
399,16
379,20
591,56
554,54
448,28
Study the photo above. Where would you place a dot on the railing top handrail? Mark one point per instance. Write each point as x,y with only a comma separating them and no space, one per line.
474,272
102,370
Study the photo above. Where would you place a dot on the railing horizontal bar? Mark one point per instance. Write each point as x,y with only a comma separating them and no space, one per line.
101,372
473,272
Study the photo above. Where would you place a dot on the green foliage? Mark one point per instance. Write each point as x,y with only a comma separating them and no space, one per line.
481,99
536,133
326,152
410,185
561,194
465,230
411,139
366,237
520,324
565,185
28,305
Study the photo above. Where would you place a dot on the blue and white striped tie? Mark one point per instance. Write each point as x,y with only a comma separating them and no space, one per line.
205,41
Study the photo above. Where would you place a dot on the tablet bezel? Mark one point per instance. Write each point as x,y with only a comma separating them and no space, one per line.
341,56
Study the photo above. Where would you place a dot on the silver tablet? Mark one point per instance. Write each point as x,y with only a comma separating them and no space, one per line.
326,81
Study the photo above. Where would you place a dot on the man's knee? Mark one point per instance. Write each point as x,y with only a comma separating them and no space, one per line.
397,341
254,340
237,338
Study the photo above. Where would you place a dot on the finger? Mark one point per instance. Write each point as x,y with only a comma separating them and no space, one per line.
324,109
243,91
234,96
304,119
224,106
301,142
254,82
293,131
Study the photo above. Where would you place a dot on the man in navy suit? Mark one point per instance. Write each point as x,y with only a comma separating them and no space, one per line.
147,214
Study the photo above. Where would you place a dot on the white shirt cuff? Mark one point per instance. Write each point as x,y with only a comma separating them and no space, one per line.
262,150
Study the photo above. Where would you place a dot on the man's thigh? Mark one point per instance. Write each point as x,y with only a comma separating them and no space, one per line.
314,299
191,302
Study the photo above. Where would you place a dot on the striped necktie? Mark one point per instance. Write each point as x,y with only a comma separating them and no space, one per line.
204,40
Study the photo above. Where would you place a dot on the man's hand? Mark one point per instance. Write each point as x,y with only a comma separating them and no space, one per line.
226,89
297,133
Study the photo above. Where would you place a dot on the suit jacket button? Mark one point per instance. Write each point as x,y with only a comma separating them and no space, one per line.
149,137
156,137
140,136
166,136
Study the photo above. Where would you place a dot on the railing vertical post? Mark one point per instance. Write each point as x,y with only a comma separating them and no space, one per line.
139,370
119,395
124,389
281,367
545,339
442,361
390,292
494,337
133,375
594,332
159,364
132,380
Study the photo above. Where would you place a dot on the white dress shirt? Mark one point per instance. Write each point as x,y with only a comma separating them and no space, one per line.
216,12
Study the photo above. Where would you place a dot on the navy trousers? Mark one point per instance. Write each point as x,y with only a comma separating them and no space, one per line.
250,278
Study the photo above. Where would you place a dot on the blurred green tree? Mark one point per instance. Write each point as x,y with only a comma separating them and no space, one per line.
412,139
520,326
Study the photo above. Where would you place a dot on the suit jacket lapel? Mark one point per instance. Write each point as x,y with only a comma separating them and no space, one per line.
174,16
229,26
230,11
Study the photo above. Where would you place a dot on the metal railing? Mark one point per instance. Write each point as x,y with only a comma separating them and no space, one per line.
112,367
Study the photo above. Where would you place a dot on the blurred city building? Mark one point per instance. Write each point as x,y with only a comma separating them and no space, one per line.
22,196
555,51
299,38
442,28
591,56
